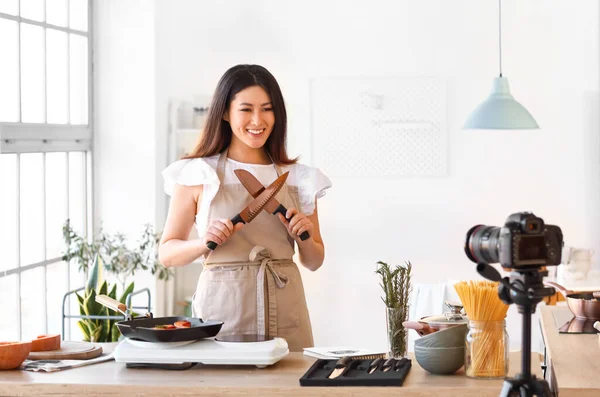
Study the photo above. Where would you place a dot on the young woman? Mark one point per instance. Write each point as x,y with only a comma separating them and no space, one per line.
249,281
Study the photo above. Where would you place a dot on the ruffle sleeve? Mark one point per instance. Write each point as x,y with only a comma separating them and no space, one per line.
312,185
190,172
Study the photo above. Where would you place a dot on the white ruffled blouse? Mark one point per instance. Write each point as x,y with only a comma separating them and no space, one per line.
310,182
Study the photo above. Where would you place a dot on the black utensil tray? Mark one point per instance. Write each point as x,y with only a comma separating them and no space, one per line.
355,374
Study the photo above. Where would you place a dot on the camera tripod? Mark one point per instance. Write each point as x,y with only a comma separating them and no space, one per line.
525,288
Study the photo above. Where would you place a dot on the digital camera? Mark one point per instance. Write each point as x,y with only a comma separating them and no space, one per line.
524,241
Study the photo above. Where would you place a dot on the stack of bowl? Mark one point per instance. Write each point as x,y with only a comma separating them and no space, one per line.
442,352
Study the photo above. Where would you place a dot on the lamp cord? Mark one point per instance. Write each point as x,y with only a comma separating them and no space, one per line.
500,35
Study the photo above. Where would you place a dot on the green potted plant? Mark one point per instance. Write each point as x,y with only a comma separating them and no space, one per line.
396,285
112,254
98,329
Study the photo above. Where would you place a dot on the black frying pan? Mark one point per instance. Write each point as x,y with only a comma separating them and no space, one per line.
142,328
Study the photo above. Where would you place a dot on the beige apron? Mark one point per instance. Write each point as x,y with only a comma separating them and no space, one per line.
250,282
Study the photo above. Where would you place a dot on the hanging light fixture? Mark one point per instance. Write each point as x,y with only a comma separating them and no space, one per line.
500,111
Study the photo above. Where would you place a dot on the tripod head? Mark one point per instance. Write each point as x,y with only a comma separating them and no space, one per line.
525,287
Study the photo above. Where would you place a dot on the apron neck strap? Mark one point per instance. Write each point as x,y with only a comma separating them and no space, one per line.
277,167
221,164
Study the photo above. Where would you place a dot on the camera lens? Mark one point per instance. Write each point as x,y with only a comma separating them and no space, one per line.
481,245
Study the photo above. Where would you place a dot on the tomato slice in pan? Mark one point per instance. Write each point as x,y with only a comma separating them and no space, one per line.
183,324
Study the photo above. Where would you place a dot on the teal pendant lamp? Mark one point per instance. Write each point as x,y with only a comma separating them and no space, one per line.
500,111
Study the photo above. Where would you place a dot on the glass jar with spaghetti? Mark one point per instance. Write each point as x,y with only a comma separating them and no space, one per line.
486,354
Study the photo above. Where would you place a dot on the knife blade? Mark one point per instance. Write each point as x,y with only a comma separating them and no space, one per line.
374,365
254,187
388,364
400,364
340,367
260,201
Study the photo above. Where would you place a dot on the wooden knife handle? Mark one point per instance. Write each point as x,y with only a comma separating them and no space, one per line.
282,210
374,365
388,364
111,303
235,220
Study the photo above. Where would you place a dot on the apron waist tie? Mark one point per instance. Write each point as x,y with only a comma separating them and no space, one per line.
260,256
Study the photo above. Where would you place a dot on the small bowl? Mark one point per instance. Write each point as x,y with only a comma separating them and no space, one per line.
440,360
12,354
449,337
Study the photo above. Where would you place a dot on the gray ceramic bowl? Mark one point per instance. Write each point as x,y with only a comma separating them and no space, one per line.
449,337
440,360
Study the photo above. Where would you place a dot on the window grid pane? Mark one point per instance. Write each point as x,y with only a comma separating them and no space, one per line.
77,205
56,199
77,280
33,63
8,211
33,310
10,312
9,7
78,85
57,92
9,70
78,14
31,198
56,289
33,9
57,12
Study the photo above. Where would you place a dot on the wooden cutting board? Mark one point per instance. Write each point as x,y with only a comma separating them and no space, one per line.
69,351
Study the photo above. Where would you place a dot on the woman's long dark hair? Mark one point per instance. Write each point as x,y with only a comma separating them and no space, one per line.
216,134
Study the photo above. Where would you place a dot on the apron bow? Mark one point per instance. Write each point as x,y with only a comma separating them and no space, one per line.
262,255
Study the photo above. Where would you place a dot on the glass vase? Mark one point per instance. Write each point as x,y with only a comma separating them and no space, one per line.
397,335
487,348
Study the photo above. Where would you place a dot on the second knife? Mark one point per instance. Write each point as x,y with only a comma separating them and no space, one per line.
254,187
260,201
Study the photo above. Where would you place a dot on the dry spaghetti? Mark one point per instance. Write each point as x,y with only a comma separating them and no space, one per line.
487,344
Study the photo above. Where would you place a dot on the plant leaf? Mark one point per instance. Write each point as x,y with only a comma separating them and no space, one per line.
113,292
80,300
93,307
84,330
95,276
127,291
115,334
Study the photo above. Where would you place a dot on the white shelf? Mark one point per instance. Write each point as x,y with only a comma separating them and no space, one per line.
182,135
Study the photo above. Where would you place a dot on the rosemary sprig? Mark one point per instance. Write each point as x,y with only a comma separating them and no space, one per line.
396,285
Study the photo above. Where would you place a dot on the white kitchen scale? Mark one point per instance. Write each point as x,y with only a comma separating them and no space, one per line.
211,351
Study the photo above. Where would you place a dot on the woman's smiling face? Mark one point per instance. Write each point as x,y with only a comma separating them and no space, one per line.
251,116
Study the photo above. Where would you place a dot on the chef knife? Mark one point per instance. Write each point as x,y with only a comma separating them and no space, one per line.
254,187
256,205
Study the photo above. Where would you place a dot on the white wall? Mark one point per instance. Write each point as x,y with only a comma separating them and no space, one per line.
124,128
550,55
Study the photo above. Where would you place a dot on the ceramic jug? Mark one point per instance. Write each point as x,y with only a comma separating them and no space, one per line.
577,261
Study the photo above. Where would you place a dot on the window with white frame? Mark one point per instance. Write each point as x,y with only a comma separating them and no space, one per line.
45,158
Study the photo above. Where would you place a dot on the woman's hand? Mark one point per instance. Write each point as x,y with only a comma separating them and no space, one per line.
220,230
298,223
